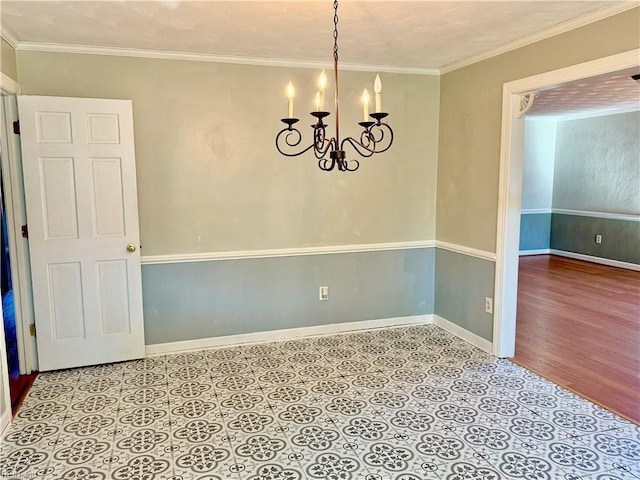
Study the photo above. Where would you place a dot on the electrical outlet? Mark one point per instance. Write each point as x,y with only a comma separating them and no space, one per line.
488,304
598,238
324,293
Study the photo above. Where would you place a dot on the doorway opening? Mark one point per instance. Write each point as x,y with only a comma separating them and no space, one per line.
19,347
18,384
8,310
510,184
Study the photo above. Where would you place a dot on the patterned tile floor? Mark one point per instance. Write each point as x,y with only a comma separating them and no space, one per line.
412,403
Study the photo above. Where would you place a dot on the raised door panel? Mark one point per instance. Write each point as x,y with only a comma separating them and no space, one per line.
66,301
57,184
107,198
114,308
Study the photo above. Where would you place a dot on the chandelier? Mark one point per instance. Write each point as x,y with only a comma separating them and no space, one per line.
376,135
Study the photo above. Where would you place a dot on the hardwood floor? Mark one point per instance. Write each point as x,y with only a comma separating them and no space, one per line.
578,324
19,387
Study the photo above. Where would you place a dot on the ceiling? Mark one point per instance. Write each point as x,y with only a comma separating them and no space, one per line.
604,94
419,34
422,36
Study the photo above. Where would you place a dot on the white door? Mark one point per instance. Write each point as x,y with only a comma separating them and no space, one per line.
82,214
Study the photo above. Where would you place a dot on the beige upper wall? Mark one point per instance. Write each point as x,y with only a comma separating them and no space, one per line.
209,176
8,60
470,122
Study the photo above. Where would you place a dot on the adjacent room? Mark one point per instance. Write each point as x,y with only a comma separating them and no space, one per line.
218,274
578,289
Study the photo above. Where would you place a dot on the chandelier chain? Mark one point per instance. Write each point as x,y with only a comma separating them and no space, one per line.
335,31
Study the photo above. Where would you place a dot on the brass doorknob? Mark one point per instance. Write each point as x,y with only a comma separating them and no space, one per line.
131,248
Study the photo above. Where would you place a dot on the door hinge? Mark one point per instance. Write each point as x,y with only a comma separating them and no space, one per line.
32,329
16,127
25,231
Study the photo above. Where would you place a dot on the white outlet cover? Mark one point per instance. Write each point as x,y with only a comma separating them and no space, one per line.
488,305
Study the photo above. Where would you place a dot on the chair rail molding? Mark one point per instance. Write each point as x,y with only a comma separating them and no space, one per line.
283,252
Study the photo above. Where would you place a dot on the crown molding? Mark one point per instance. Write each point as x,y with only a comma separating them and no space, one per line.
9,37
563,27
213,58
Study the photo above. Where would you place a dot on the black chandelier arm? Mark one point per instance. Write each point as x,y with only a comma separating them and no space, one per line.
328,164
349,165
321,145
360,148
289,138
377,138
378,132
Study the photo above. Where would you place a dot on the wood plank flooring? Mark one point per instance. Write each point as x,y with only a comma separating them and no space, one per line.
578,324
19,387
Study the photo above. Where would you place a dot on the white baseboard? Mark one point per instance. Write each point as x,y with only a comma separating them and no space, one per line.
541,251
464,334
285,334
602,261
581,256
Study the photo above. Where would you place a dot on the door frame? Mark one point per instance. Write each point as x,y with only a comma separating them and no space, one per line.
8,86
510,186
16,217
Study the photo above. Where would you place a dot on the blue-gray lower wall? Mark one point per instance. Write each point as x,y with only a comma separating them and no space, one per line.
535,231
461,284
573,233
187,301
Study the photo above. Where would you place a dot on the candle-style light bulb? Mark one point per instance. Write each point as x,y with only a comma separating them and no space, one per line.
365,105
377,88
290,94
322,81
316,101
322,86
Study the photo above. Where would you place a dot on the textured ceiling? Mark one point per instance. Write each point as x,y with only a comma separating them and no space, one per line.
596,95
420,34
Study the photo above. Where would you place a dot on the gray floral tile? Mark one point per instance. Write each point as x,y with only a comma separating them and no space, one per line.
615,451
111,386
292,419
271,471
332,465
157,363
475,469
616,474
51,412
74,451
185,373
235,383
225,353
149,466
68,377
233,366
410,403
